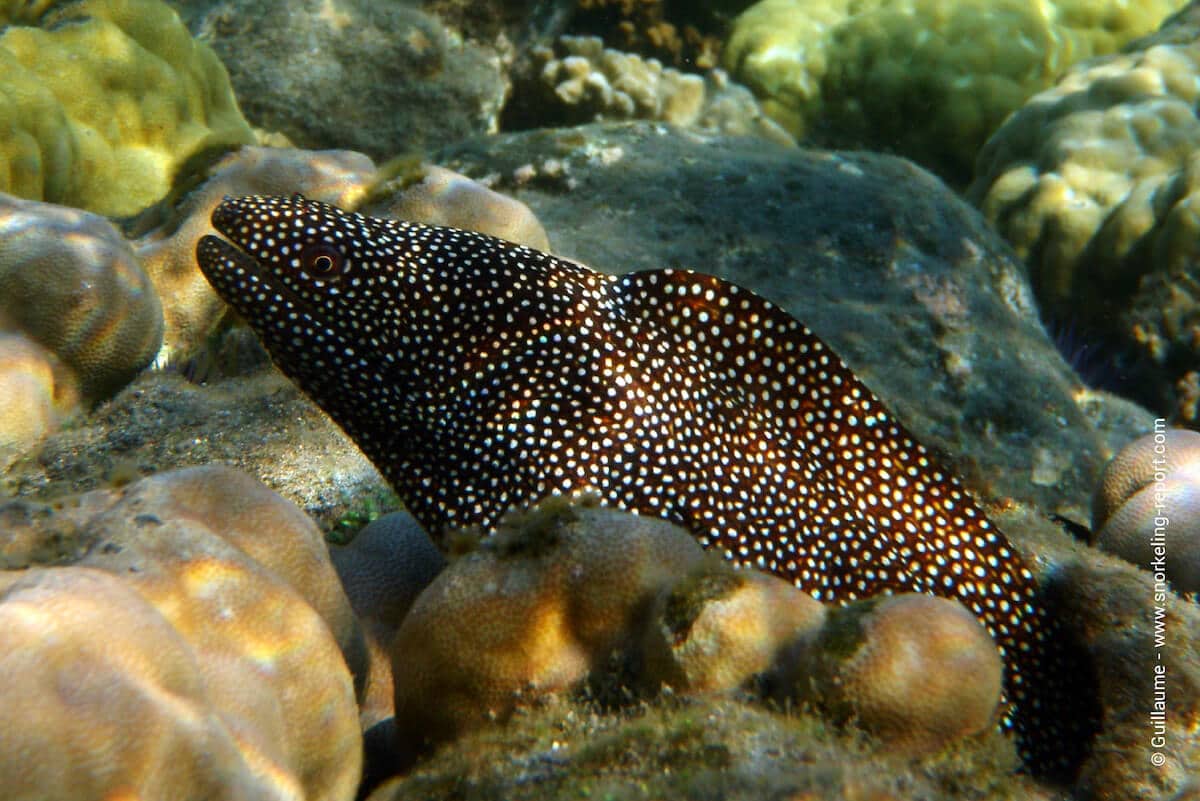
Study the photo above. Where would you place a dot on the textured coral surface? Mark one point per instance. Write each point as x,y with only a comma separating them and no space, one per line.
929,79
103,100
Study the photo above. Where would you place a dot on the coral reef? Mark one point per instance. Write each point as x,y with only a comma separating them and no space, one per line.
702,747
386,566
78,317
383,570
921,299
533,611
916,671
70,282
902,278
36,394
579,80
927,79
113,700
475,374
233,584
103,100
1147,506
1095,183
680,34
719,627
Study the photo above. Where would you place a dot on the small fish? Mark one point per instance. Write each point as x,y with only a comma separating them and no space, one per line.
479,375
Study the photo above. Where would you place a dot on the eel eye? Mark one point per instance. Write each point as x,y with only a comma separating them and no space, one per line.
321,260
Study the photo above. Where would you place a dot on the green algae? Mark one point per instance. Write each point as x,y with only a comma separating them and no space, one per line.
689,597
365,508
700,748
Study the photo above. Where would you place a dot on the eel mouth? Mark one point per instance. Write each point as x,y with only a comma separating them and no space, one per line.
240,280
224,257
226,266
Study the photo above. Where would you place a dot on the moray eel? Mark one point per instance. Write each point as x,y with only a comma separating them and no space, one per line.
479,375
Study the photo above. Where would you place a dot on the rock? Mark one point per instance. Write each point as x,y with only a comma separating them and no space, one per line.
379,78
901,278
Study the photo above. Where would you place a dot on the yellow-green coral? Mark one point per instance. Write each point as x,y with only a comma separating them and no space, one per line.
102,100
929,79
1096,183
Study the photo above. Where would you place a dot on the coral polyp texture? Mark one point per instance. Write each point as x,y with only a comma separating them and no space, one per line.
718,628
532,612
383,570
928,79
71,283
231,587
113,700
1147,506
918,672
1096,182
101,101
434,195
36,394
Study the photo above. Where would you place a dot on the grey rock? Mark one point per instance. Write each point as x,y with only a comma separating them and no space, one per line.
382,78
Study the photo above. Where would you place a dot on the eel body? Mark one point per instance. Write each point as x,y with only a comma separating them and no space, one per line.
479,375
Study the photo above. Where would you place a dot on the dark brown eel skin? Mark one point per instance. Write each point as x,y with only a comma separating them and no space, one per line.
479,375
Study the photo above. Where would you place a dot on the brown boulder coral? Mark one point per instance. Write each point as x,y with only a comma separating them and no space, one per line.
437,196
36,394
719,627
1147,506
383,570
242,577
70,282
386,566
236,518
917,671
530,613
111,699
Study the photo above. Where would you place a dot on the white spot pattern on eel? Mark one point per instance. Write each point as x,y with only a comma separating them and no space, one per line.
479,375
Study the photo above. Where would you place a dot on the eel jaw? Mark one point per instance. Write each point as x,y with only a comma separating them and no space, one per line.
232,272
